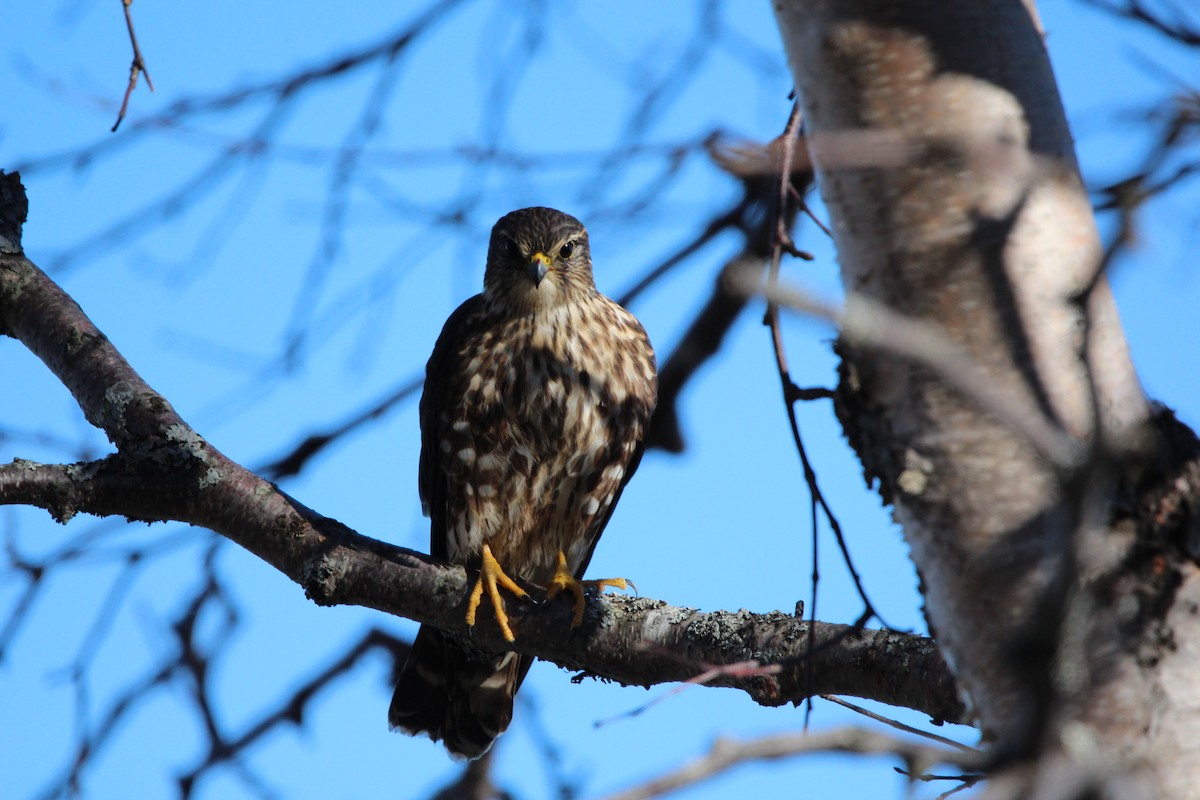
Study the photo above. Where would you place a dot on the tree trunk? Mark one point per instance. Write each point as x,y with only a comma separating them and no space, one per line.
1045,501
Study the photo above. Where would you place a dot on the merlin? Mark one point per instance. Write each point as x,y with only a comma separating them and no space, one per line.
533,418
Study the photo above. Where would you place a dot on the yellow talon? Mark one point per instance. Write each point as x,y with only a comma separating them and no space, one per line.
493,577
563,580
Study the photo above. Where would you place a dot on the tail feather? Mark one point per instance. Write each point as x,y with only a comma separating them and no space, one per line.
460,697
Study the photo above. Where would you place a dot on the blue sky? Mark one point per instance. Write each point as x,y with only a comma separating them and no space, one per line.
205,299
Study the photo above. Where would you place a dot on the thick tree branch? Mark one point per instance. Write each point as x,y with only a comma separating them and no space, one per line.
629,640
164,470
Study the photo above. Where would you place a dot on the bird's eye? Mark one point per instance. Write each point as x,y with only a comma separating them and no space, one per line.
566,250
509,248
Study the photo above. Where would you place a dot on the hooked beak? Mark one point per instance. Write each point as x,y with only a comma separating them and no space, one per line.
539,264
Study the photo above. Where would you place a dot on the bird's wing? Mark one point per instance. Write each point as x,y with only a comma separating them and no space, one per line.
431,478
600,522
641,407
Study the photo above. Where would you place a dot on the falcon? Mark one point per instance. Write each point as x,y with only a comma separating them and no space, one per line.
533,416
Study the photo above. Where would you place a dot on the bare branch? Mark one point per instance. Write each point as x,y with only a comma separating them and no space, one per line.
1171,22
726,754
870,323
699,343
291,712
900,726
138,67
314,443
758,168
792,182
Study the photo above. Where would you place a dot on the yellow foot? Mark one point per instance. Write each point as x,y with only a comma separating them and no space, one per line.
563,580
492,577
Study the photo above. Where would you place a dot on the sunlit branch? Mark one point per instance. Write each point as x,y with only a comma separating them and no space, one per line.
726,754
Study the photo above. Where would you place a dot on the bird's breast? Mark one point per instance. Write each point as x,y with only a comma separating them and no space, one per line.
550,415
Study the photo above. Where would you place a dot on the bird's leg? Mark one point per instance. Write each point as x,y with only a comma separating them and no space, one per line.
563,580
492,577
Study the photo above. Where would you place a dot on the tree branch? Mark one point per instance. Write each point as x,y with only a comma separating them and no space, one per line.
164,470
137,66
726,754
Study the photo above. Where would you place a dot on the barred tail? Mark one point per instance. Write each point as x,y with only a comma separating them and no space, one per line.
462,698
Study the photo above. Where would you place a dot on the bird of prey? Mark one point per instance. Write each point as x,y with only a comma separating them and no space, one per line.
535,407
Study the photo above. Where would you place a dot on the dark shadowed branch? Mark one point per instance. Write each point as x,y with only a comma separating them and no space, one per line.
1170,20
796,177
474,782
296,459
758,169
270,102
292,709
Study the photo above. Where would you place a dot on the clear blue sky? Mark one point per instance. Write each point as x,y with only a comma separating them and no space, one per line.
202,300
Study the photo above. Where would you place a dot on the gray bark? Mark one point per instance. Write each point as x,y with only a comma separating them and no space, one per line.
944,158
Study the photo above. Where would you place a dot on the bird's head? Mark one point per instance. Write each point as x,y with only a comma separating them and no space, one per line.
538,258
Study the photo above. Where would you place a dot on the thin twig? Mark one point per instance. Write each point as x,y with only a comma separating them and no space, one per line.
137,67
1179,29
784,213
299,456
872,324
898,725
739,669
726,754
